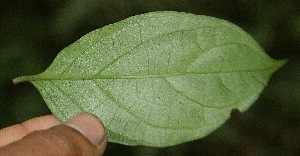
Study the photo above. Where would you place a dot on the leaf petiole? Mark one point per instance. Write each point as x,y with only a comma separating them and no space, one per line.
24,78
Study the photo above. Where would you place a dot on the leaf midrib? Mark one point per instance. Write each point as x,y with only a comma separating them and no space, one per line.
44,77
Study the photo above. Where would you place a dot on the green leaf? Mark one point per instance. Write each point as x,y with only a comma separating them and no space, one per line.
157,79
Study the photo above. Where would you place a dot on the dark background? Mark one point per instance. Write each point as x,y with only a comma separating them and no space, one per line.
32,32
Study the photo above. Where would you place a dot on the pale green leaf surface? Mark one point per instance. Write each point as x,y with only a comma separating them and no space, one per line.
157,79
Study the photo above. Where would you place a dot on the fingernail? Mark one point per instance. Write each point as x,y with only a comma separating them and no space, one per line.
90,126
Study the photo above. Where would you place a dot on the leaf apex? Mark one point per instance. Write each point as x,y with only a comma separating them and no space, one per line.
282,62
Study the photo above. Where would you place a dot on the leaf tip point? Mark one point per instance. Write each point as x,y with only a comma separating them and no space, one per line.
282,62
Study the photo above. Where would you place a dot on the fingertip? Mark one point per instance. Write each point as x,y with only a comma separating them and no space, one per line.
90,126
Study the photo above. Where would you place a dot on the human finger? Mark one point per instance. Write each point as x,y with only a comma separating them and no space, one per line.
17,132
83,135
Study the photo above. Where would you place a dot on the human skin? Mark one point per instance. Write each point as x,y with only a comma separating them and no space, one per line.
82,135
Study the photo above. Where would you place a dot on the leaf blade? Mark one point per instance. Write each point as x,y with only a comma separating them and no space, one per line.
155,76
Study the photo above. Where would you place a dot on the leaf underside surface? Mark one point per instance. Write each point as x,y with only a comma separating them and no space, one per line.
157,79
